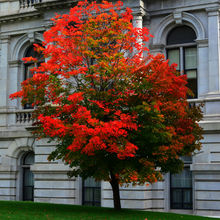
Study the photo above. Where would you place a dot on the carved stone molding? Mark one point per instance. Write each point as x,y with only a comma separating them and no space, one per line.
19,17
169,23
213,11
4,39
178,17
45,5
157,47
202,43
14,63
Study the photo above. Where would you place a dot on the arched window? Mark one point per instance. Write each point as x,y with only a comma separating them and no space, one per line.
30,52
27,177
182,50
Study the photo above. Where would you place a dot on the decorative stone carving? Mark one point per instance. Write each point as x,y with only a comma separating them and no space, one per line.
177,16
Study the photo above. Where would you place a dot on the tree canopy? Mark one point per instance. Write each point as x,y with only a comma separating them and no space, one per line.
117,112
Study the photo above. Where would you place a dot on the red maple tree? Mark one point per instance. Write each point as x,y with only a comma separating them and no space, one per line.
116,115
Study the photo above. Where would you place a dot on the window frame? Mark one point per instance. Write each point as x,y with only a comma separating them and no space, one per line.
187,162
25,168
183,189
93,202
29,65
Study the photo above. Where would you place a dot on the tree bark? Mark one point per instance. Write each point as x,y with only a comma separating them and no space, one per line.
115,189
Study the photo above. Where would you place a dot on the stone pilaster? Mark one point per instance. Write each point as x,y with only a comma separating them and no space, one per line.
138,22
203,67
213,46
4,41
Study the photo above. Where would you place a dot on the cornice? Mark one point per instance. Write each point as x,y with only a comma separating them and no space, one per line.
139,11
156,47
204,6
14,63
42,6
202,43
213,11
20,16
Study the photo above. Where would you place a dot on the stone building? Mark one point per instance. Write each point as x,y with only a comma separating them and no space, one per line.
187,32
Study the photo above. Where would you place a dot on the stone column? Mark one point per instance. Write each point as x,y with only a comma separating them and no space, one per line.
138,23
138,20
203,67
214,56
4,44
4,41
13,81
13,86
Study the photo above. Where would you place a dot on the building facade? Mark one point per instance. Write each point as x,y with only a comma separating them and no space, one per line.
186,32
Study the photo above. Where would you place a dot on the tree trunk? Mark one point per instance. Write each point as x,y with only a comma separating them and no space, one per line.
115,188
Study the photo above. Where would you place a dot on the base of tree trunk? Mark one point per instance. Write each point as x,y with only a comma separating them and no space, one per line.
116,194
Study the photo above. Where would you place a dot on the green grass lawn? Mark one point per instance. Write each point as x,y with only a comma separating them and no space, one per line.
40,211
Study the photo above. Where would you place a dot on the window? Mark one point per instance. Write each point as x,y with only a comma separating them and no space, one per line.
29,65
182,50
91,192
181,187
28,177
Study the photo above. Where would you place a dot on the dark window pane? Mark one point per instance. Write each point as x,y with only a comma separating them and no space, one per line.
91,192
181,198
192,82
181,35
187,196
88,192
90,182
191,74
28,177
28,193
28,159
31,52
28,185
177,195
183,179
97,194
173,56
88,203
181,190
187,206
190,58
28,72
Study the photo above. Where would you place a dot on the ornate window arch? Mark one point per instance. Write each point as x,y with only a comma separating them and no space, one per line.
169,22
19,50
